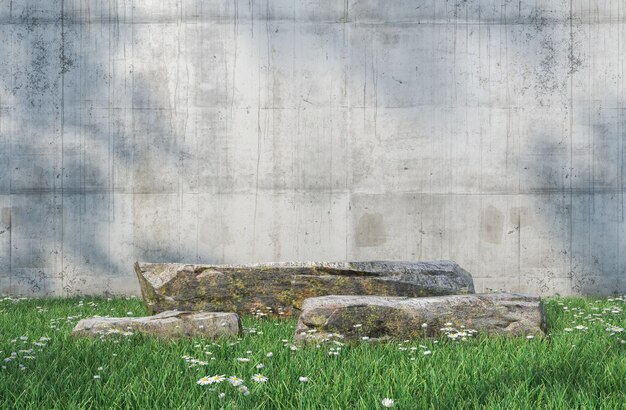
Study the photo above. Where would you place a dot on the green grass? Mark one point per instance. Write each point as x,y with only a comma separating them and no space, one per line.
571,369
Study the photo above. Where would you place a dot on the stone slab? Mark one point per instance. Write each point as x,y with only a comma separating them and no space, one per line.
280,288
168,324
400,318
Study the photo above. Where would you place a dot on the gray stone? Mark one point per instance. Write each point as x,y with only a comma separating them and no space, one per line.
282,287
166,324
385,318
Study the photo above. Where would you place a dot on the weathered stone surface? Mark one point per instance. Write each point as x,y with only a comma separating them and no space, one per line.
166,324
284,286
384,318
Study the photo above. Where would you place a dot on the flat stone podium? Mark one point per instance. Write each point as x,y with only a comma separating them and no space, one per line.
281,288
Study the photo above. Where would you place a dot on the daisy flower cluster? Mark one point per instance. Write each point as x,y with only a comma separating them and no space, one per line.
232,380
264,312
14,300
104,334
58,323
312,335
457,334
595,316
415,350
252,331
91,304
260,313
194,362
24,354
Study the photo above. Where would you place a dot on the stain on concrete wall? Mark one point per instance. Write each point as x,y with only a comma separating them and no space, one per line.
370,230
491,225
488,132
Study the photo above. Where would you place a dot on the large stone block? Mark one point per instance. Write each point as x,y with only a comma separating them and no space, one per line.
166,324
280,288
385,318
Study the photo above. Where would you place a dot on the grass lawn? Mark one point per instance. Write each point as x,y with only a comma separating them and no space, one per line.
582,365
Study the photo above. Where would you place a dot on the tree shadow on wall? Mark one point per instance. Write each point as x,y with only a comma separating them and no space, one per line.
82,132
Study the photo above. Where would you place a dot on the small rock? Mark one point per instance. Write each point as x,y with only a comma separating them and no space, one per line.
166,324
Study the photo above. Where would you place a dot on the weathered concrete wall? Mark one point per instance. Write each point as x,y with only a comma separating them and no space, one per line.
490,132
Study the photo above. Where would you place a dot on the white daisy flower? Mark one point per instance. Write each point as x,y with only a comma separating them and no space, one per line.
235,381
203,381
217,378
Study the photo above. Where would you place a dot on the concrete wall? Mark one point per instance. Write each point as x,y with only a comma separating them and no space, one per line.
490,132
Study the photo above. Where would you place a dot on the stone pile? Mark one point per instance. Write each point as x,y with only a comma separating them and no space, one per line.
376,301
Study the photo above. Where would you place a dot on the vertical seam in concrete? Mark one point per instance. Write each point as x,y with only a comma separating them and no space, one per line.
375,86
330,164
82,203
251,7
235,34
181,144
259,132
348,140
620,159
62,272
518,203
197,156
480,136
132,121
220,191
110,150
508,124
570,273
11,173
10,241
